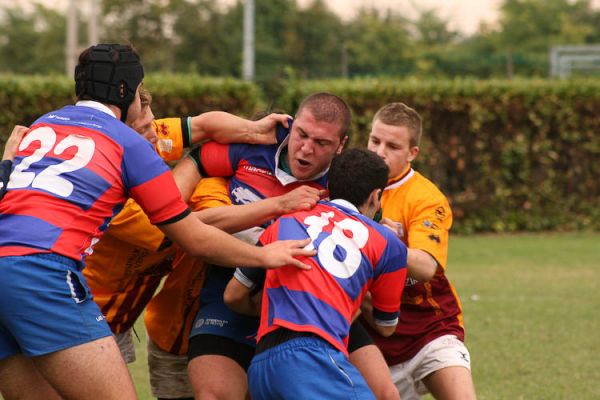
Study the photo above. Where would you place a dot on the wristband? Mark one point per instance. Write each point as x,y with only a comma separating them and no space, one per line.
194,154
186,131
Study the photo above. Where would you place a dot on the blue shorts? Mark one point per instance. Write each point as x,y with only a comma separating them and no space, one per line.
305,368
217,319
45,306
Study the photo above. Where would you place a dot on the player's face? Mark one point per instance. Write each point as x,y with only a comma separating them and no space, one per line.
312,145
392,144
135,108
143,124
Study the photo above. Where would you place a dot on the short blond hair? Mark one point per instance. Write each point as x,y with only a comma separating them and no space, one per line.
399,114
145,97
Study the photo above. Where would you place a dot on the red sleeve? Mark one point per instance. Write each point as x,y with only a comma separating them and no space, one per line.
386,291
215,159
160,199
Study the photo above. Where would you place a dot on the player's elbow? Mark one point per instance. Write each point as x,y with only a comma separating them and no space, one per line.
234,299
385,330
421,265
231,299
422,274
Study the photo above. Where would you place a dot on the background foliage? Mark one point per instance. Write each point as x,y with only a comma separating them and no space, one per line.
511,155
202,36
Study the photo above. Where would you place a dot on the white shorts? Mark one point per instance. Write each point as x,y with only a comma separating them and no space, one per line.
445,351
125,343
168,374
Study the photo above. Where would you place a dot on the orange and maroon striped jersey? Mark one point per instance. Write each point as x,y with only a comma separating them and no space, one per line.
133,256
170,314
127,266
429,309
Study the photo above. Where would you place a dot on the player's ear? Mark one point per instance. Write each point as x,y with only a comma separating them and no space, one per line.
342,144
376,197
412,153
373,203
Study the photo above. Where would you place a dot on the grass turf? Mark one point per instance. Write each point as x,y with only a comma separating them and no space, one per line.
531,313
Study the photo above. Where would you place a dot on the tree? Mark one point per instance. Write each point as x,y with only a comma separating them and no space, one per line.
435,44
528,28
32,42
146,24
206,39
315,49
379,45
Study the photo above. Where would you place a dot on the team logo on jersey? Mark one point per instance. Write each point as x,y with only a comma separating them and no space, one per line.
210,322
440,213
253,169
54,116
244,195
434,238
165,145
410,281
162,129
430,225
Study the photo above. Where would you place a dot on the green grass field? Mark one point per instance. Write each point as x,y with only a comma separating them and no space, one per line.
531,314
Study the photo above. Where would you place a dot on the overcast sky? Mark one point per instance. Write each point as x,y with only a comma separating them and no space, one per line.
464,15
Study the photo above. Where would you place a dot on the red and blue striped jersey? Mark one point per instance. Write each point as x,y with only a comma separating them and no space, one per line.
253,169
354,255
254,175
72,173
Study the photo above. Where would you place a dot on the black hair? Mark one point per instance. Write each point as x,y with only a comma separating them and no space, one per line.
354,174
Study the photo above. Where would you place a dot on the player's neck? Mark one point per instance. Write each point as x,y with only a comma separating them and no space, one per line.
284,163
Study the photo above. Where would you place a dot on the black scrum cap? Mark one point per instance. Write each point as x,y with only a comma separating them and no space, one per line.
109,73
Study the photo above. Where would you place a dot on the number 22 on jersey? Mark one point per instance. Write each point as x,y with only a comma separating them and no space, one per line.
49,178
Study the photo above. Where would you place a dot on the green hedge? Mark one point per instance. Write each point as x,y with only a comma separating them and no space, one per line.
511,155
516,155
25,98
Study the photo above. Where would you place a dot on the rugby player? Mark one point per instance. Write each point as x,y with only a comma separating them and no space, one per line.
73,171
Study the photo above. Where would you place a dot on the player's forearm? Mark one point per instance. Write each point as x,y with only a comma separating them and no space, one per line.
237,218
421,265
245,306
186,177
221,127
239,299
383,330
214,245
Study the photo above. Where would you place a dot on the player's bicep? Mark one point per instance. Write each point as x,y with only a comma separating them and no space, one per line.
220,160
